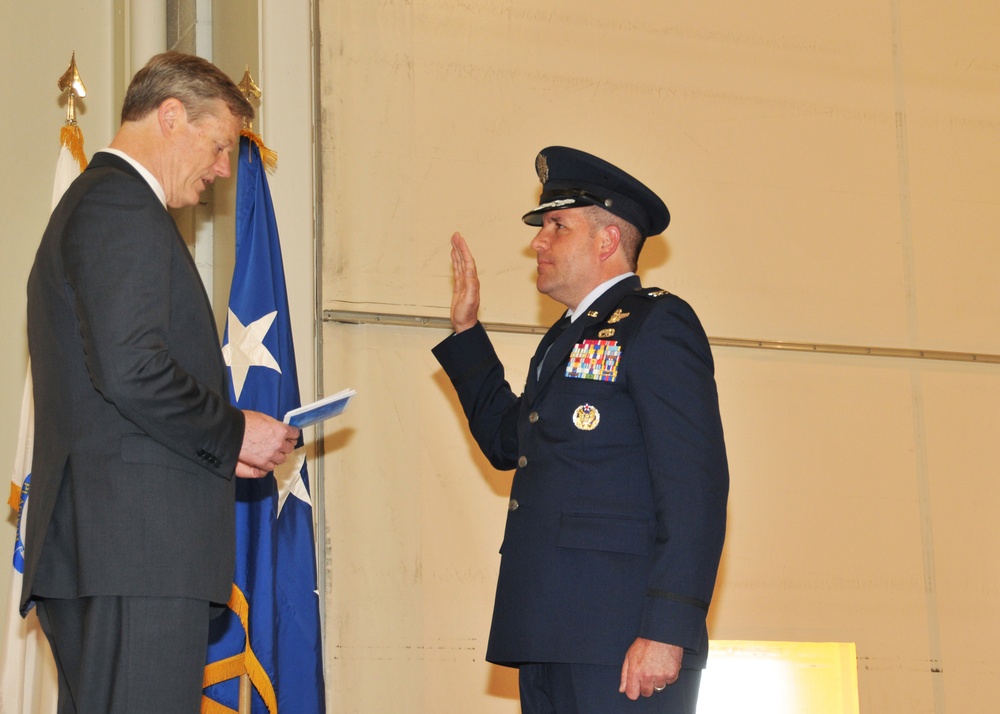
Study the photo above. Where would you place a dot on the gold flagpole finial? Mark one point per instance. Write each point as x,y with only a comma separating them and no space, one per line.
70,135
71,82
251,91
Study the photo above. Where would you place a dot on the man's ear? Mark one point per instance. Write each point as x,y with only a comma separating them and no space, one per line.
171,115
611,237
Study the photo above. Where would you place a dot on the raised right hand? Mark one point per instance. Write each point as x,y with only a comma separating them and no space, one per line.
465,299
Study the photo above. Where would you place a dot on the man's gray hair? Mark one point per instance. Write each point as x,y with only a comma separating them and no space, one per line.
195,82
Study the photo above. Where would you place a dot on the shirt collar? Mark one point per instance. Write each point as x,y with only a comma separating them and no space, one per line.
594,294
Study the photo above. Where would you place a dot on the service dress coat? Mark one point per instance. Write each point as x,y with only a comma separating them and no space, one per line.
136,443
617,510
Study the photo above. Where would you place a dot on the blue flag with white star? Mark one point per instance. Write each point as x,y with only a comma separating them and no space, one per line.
275,548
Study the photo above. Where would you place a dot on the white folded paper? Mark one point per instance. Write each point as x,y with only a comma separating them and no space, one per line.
321,410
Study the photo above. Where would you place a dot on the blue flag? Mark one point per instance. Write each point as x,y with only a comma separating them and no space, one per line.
275,548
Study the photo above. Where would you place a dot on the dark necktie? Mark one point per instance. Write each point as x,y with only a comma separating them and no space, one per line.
554,333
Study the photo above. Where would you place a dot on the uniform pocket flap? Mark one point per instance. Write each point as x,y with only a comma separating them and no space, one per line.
615,534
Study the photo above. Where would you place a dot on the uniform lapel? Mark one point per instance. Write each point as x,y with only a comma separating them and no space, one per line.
562,344
548,340
561,348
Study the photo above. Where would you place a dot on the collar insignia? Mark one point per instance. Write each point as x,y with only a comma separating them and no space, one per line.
617,316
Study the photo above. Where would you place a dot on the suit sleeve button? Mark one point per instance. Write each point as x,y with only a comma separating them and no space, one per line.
522,462
513,505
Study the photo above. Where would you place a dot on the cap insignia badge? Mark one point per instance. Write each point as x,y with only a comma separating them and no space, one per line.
617,316
542,168
586,417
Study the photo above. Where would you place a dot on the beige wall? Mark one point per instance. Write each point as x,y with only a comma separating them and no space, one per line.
832,170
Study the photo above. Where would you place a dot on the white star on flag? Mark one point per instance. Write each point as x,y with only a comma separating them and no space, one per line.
246,349
289,478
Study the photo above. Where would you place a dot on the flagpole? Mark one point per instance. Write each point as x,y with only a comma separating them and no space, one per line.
244,693
251,91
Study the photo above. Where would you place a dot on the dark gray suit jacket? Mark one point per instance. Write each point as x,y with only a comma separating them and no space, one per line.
136,443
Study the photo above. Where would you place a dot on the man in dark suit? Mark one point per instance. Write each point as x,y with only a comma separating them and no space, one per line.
617,511
130,541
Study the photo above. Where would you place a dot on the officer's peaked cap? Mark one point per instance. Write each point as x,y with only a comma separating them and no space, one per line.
572,178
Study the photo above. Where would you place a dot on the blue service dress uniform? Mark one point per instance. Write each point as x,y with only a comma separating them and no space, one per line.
617,511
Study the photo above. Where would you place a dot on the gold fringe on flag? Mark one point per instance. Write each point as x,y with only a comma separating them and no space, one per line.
15,497
72,138
269,157
245,662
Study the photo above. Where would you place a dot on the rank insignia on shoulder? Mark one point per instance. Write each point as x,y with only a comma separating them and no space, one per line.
617,316
594,359
607,332
586,417
657,293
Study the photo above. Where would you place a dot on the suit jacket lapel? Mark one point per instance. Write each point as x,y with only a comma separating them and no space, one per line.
102,159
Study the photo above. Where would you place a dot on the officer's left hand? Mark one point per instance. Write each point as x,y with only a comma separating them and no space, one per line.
649,667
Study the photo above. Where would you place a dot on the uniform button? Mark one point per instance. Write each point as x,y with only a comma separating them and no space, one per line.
533,417
522,462
513,505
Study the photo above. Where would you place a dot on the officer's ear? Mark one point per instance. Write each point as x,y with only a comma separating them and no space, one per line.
610,237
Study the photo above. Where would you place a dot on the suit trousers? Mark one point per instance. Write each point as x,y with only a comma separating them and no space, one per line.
555,688
127,655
